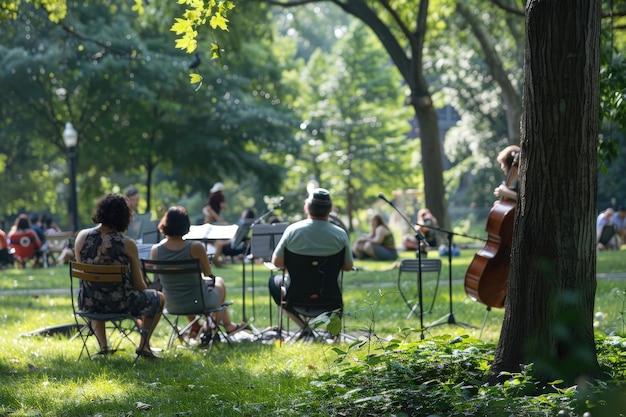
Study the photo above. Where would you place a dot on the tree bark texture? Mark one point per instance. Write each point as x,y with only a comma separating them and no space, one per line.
550,298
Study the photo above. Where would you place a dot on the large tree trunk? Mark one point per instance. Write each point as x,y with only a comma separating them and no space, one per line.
549,308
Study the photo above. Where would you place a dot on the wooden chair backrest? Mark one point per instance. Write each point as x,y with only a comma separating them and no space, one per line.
98,273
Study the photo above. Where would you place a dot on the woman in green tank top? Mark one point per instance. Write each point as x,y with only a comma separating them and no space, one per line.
379,244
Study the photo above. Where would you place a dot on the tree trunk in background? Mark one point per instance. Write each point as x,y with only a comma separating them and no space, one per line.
510,95
549,308
410,64
432,156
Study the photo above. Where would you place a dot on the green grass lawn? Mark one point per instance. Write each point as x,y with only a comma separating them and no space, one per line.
40,375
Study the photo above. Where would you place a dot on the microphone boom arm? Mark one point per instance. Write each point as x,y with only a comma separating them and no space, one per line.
418,234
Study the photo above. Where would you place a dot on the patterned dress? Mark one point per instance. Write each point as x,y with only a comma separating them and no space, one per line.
108,297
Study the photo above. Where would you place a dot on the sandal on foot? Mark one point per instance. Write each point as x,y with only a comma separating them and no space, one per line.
148,354
106,352
238,327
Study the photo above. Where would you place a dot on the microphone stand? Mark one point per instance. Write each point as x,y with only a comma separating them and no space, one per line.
420,239
448,318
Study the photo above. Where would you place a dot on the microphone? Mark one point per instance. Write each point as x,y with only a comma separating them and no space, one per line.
382,197
419,234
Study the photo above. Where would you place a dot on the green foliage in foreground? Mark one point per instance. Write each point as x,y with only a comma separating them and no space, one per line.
441,376
444,376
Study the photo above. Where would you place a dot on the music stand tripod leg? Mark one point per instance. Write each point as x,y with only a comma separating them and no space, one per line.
484,322
419,289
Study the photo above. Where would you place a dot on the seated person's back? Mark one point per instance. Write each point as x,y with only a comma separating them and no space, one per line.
174,225
24,239
315,235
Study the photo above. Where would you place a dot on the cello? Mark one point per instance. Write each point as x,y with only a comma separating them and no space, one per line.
487,275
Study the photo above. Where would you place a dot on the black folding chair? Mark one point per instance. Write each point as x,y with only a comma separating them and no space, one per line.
185,289
313,293
123,323
412,267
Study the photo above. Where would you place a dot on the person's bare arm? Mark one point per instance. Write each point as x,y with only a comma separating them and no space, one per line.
197,251
78,244
379,235
135,269
504,191
278,262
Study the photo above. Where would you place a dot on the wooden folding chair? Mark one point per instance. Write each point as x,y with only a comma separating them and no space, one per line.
123,323
185,290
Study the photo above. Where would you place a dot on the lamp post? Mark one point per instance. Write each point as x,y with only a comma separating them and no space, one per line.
70,138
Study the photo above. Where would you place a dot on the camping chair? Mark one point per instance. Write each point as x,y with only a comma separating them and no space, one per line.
123,323
412,266
24,248
184,287
314,293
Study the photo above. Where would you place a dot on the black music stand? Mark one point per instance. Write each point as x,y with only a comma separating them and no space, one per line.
246,254
264,240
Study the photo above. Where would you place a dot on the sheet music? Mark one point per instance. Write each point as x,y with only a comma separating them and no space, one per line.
210,231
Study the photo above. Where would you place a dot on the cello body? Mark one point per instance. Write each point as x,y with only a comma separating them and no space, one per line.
487,276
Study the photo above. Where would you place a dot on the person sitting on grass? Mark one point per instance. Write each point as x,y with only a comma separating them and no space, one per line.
378,245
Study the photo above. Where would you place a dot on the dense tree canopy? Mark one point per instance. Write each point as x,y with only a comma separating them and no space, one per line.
354,126
127,92
472,61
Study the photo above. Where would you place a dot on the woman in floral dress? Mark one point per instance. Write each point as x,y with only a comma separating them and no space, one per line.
105,244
